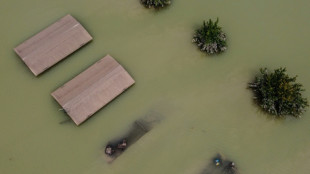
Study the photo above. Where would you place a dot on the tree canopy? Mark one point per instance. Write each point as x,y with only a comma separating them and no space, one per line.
278,94
155,3
210,38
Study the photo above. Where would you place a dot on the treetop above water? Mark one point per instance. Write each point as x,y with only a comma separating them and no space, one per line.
278,94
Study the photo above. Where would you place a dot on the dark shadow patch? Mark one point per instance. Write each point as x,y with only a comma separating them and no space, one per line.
138,129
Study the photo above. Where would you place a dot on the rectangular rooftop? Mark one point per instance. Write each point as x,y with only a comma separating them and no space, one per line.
95,87
52,44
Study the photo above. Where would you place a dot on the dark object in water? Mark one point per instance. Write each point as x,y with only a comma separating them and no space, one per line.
114,150
218,160
138,129
109,150
230,168
122,145
220,165
119,146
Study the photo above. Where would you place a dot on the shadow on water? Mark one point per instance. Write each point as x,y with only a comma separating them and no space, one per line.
138,129
220,165
67,120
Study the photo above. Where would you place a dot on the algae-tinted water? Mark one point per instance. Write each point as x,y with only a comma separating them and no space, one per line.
204,99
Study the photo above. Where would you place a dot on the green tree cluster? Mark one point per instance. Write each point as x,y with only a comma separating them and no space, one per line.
210,38
278,94
155,3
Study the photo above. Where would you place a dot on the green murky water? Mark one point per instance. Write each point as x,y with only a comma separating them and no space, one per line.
204,100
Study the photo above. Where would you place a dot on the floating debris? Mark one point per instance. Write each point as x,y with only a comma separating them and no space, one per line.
221,165
122,145
230,168
139,128
109,150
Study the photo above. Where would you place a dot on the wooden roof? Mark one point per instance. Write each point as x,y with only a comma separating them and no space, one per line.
52,44
95,87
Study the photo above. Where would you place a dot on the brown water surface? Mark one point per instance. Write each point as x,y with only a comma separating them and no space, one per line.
203,99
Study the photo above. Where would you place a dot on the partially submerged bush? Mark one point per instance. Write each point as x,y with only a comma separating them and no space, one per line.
278,94
155,3
210,37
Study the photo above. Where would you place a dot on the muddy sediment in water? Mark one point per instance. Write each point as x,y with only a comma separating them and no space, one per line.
204,98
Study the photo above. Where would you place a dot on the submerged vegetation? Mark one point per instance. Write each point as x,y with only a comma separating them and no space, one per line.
210,38
155,3
278,94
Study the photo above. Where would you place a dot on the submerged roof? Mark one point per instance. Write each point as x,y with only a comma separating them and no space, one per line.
53,44
95,87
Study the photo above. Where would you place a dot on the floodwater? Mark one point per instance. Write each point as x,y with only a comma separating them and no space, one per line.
204,100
